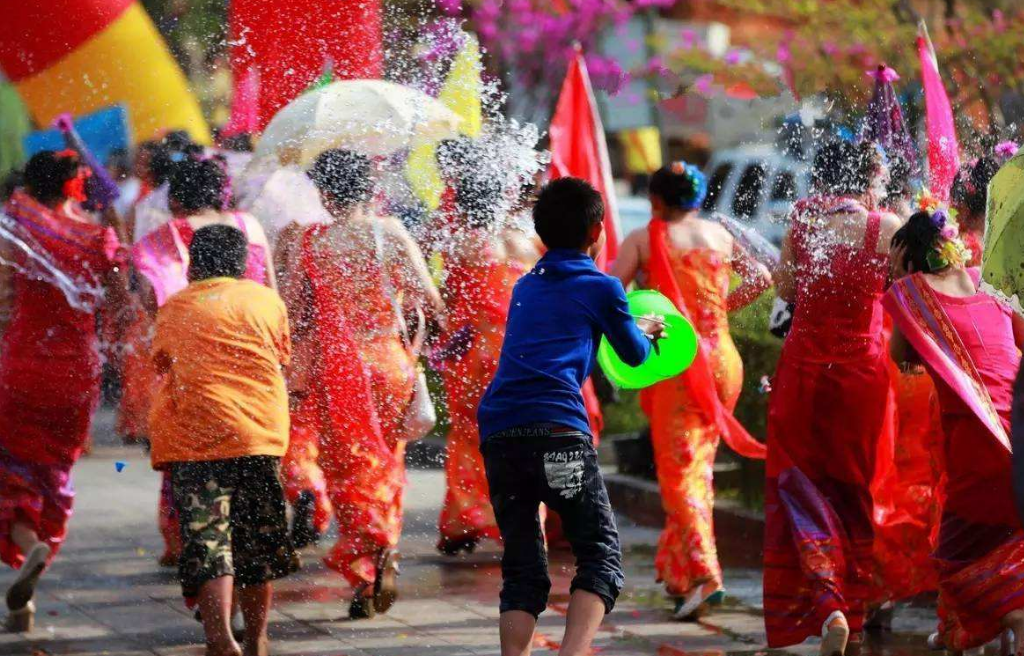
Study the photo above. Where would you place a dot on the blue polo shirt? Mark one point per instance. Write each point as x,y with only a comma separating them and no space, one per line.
558,313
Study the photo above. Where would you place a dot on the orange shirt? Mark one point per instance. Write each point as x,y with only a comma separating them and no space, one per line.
220,345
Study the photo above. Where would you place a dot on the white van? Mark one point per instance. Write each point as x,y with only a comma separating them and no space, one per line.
757,186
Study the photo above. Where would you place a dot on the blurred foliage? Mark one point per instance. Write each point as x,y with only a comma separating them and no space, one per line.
827,46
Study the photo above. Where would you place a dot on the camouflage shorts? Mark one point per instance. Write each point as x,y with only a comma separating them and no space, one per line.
233,522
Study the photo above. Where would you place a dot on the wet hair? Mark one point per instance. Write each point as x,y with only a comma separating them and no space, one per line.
566,211
343,175
918,235
197,185
478,199
46,172
218,251
119,161
841,168
679,185
970,186
899,181
11,181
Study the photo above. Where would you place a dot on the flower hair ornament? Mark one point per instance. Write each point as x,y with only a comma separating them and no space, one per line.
948,249
698,183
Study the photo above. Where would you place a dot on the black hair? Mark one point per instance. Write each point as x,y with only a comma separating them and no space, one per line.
841,168
239,143
197,185
681,188
899,180
918,236
478,198
46,172
175,148
970,186
119,159
343,175
218,251
10,182
566,211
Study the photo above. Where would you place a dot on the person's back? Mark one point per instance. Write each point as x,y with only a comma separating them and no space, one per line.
221,343
536,438
841,270
219,427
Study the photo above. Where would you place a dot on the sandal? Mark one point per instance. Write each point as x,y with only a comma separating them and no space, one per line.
452,547
21,592
699,600
362,606
22,620
835,633
385,586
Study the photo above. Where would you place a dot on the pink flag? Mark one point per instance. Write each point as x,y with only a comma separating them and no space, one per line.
579,150
943,151
245,105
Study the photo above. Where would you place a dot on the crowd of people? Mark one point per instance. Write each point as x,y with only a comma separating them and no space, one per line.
274,368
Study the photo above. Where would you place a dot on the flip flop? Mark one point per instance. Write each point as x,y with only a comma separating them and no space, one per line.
385,586
20,594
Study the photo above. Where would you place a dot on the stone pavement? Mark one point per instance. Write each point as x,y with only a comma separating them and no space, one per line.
106,595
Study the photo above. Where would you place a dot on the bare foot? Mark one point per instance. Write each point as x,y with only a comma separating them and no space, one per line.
258,647
230,649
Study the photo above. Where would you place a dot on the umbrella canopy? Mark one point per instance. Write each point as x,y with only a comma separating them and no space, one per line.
1003,262
885,125
372,117
282,196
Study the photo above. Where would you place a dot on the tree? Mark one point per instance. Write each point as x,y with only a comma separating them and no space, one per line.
829,46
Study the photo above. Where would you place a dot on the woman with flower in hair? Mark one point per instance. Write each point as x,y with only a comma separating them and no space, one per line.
691,261
831,405
49,360
970,197
970,344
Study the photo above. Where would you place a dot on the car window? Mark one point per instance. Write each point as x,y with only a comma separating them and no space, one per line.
715,185
784,188
748,191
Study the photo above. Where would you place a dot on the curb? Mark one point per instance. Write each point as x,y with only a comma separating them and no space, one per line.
739,532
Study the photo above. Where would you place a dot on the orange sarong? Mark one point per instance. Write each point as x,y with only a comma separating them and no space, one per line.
364,381
477,296
685,440
908,495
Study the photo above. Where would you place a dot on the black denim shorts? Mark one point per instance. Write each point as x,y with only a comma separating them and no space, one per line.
544,463
233,522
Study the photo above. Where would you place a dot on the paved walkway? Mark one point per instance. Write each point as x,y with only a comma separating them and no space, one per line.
106,595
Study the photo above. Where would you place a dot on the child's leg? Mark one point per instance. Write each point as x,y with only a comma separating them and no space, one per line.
215,608
586,611
516,628
578,495
255,601
514,488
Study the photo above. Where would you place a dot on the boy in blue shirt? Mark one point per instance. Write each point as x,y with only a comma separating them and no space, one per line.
535,433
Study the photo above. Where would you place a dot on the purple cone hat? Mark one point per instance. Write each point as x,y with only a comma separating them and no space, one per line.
885,125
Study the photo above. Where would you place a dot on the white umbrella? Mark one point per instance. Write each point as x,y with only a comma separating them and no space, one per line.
372,117
280,197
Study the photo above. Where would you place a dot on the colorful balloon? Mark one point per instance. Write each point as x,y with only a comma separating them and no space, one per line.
675,352
77,56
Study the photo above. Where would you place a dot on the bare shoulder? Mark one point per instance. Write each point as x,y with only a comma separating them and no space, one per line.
635,237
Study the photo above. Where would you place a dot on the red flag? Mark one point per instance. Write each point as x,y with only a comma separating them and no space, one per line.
578,148
289,42
943,151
